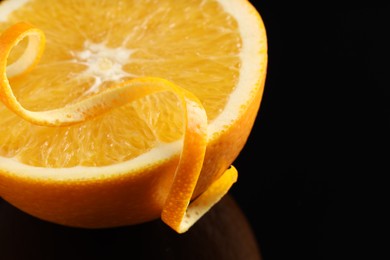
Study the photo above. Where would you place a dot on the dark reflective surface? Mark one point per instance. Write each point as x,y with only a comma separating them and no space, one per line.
223,233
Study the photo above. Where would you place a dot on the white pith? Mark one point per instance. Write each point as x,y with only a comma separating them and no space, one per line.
102,63
109,68
8,7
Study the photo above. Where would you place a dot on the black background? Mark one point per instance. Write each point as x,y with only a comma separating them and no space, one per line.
311,173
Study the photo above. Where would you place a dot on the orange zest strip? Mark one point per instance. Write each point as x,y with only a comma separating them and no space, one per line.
200,205
178,212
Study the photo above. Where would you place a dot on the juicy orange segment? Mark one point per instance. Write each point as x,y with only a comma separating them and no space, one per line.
177,213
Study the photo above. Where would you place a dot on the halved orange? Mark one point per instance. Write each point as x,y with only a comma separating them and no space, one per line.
130,110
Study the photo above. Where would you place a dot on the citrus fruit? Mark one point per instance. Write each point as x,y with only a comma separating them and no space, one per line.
118,113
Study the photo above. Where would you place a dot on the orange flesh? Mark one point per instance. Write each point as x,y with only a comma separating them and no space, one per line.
157,46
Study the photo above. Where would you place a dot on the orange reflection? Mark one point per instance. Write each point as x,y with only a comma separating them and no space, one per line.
223,233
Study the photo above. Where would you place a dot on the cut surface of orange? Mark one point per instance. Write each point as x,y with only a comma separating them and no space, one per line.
129,110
